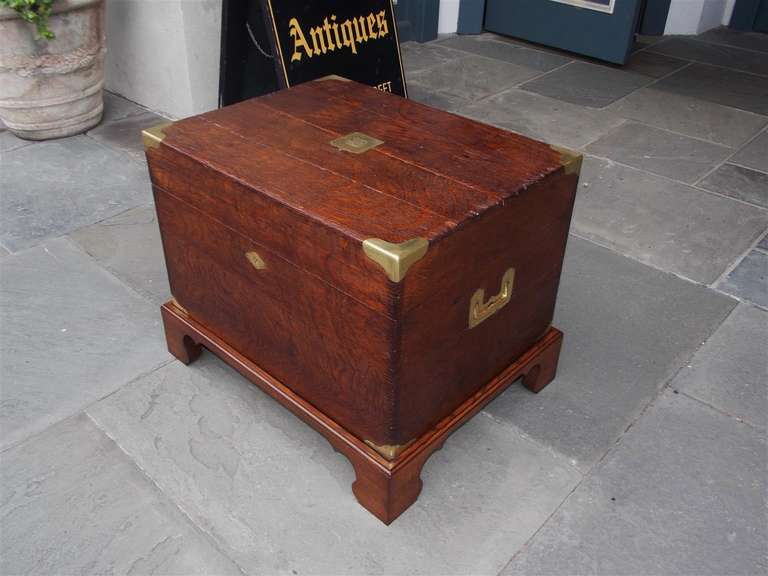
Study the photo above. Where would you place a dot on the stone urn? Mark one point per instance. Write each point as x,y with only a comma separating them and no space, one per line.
53,88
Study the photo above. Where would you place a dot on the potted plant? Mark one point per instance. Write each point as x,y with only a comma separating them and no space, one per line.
51,66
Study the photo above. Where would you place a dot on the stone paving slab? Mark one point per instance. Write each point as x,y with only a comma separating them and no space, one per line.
719,55
755,154
124,135
690,116
472,77
73,503
683,493
652,64
721,85
730,371
587,84
117,107
71,334
129,246
51,188
628,328
737,38
277,499
425,95
661,152
666,224
420,56
749,280
547,119
486,45
738,182
9,141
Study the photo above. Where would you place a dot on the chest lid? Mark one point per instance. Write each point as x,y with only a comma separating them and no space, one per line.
368,167
368,159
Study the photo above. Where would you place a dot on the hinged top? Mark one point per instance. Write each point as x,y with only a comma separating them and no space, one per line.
426,170
378,169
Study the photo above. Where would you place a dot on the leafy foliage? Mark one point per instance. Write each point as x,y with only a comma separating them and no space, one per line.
35,12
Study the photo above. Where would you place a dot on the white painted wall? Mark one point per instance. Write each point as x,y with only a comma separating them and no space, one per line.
164,54
697,16
448,20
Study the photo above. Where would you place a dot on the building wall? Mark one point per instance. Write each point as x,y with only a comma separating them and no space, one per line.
697,16
449,16
165,54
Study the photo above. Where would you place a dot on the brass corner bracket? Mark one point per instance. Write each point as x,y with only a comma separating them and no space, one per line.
570,160
332,77
179,306
153,136
395,259
389,451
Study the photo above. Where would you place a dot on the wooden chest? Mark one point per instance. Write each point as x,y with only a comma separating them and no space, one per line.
381,268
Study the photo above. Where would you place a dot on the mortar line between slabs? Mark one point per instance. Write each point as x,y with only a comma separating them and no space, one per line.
83,409
207,536
665,382
735,151
732,266
667,178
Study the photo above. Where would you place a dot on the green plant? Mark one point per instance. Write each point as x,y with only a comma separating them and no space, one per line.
35,12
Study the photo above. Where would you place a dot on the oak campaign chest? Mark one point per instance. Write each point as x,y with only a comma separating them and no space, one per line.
381,268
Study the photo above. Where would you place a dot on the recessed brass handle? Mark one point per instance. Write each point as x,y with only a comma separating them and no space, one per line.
255,260
479,310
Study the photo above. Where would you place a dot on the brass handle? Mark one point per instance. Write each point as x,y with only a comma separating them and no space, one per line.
479,310
255,260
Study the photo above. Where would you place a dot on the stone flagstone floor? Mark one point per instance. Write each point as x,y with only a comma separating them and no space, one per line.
646,456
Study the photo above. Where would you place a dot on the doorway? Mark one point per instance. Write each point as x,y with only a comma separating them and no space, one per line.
602,29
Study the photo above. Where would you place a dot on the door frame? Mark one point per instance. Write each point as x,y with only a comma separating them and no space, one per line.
744,15
653,17
417,19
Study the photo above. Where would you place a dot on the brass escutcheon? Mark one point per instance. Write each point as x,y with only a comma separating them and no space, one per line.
479,310
255,260
356,142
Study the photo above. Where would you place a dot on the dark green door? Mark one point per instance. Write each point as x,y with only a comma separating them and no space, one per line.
761,20
417,19
750,15
602,29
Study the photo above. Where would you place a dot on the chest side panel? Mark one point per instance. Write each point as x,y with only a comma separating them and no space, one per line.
321,250
443,359
329,348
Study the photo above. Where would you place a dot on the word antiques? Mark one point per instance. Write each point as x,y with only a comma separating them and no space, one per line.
332,35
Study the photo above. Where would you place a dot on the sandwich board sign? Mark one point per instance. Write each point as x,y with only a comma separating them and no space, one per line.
307,39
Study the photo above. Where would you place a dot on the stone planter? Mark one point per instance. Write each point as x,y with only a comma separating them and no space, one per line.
51,89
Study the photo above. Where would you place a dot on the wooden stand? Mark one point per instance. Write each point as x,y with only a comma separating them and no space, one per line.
385,487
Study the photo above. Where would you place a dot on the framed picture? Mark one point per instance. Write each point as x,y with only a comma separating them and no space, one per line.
602,29
599,5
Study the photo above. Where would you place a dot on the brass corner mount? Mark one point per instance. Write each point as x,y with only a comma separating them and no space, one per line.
332,77
389,451
570,160
153,136
179,306
395,259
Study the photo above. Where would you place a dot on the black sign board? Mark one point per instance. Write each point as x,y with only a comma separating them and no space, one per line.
272,44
